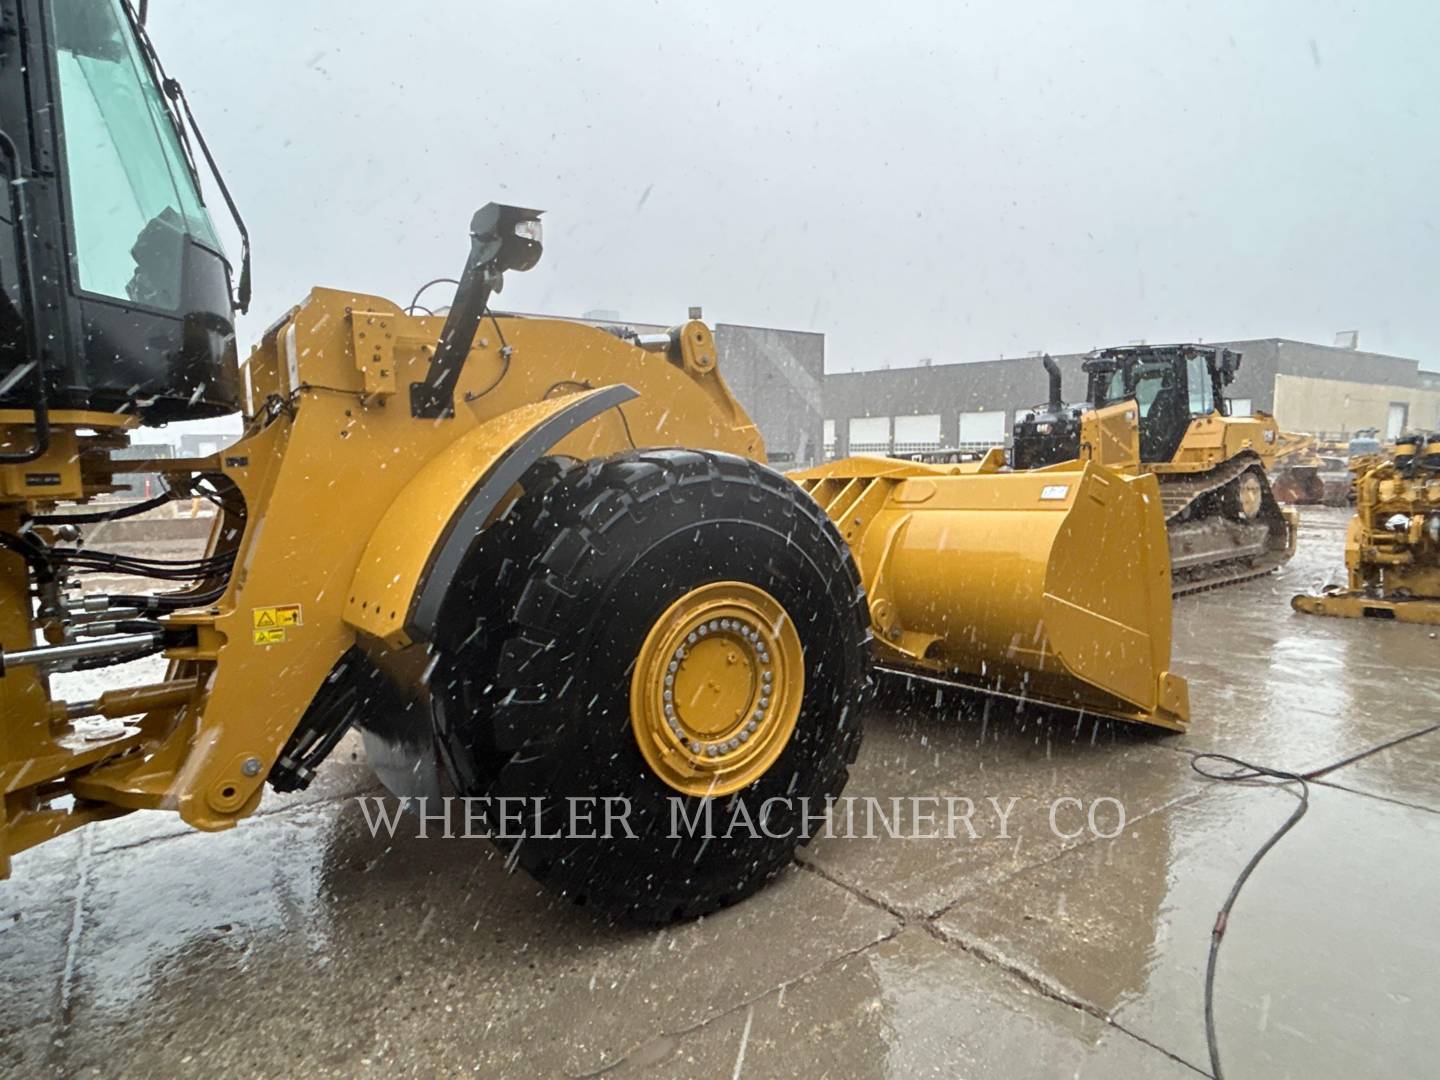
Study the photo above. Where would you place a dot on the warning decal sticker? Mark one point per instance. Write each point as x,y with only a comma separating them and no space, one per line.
271,623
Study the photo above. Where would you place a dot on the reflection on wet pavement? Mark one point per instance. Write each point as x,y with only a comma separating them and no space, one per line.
1300,690
300,942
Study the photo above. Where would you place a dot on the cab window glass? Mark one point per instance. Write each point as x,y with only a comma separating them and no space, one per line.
1115,387
1150,380
132,198
1197,375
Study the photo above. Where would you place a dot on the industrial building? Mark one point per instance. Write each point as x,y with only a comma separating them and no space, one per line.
779,376
776,374
1323,389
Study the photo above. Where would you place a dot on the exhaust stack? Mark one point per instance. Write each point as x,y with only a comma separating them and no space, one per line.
1056,401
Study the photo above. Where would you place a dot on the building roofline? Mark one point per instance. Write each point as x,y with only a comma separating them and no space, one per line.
1226,343
1338,349
784,329
651,322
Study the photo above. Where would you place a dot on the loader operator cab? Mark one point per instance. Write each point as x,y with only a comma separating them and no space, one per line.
1170,385
117,292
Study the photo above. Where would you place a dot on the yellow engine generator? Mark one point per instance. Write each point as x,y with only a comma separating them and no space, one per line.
1392,545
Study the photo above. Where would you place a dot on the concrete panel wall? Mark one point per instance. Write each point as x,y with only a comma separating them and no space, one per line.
778,376
1339,406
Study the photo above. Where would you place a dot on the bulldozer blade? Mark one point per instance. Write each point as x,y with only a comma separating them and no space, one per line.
1052,585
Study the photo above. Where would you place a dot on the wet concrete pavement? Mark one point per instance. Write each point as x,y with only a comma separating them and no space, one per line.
300,942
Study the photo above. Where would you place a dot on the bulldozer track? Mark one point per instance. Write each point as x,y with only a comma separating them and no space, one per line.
1214,581
1179,495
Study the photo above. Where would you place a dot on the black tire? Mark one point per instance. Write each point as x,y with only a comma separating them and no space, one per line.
537,651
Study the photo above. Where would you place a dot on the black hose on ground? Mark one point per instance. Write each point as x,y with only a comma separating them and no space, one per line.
1245,771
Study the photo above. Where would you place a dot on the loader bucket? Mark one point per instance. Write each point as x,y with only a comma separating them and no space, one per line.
1052,585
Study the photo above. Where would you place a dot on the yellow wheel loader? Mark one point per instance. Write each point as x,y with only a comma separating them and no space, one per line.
538,565
1392,546
1162,409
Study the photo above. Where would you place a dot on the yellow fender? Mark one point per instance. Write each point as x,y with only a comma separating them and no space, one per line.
417,547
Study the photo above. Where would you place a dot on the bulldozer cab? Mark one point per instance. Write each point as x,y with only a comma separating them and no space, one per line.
1171,385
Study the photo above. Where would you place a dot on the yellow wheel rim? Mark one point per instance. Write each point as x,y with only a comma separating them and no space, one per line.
717,688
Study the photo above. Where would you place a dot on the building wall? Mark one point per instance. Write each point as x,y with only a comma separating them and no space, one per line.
778,376
1015,384
946,389
1339,407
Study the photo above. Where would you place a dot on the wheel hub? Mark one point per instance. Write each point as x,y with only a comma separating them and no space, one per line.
717,688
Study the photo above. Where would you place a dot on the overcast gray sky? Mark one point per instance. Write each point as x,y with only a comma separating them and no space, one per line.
952,181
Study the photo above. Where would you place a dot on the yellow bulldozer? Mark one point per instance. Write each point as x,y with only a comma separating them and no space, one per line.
1162,409
535,563
1392,545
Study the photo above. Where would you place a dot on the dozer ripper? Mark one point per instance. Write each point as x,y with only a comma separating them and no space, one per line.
528,559
1162,409
1392,545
